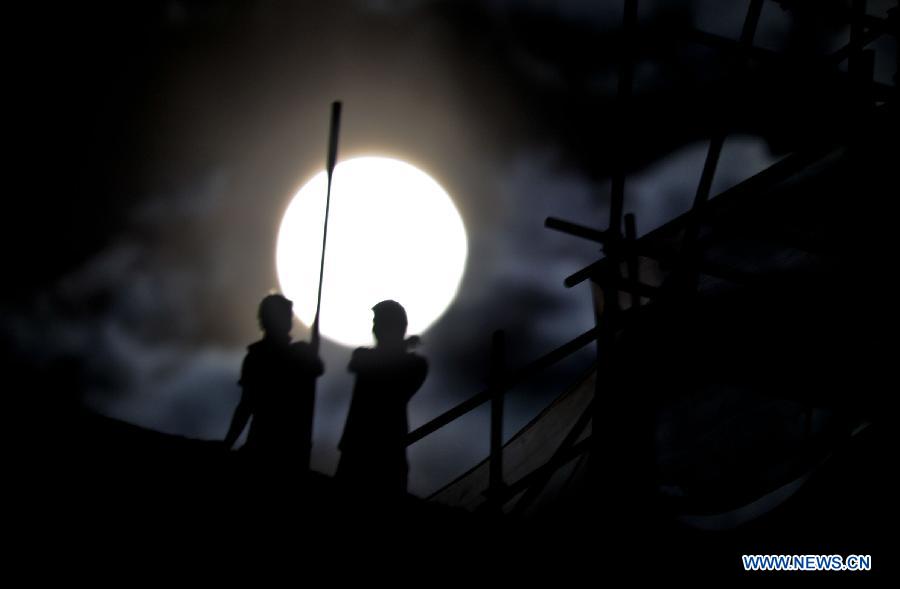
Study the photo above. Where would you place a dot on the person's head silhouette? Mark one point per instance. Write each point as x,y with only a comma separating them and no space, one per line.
276,315
389,324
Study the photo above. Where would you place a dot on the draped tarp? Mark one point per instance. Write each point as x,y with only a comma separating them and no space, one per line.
529,449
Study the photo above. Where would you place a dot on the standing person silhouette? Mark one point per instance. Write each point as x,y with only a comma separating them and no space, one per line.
373,447
278,380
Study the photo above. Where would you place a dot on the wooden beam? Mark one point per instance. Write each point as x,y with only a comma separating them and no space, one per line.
858,44
629,285
751,21
873,32
629,247
623,97
777,172
577,230
631,259
716,143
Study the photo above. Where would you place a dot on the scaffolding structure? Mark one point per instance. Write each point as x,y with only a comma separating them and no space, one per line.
662,268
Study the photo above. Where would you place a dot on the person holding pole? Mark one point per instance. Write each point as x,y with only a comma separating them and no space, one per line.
278,378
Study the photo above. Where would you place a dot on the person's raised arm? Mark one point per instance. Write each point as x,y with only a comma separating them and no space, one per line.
416,376
311,361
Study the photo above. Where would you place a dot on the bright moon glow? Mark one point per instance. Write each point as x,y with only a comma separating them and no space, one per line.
393,233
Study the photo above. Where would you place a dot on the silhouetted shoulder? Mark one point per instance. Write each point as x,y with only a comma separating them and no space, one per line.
361,359
254,348
250,363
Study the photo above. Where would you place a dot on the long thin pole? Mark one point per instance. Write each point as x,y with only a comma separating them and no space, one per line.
332,160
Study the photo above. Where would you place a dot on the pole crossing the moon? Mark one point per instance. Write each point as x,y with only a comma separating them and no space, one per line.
332,160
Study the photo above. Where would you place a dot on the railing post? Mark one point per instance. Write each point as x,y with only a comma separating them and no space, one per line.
498,361
632,259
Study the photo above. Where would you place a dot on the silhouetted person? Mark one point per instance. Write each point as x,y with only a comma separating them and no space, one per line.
373,450
278,380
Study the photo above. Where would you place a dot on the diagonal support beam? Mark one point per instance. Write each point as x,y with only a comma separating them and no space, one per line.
577,230
716,143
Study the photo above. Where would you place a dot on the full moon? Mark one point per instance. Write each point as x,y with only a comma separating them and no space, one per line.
393,233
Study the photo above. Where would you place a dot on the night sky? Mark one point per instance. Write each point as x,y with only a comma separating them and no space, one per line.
158,145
